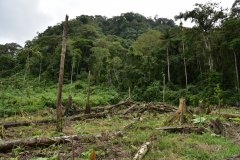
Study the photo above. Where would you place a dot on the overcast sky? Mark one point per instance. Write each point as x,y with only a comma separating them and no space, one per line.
20,20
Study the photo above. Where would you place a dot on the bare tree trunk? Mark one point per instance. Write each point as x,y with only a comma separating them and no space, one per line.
60,79
168,66
236,69
185,69
72,73
129,93
208,48
88,108
164,87
185,65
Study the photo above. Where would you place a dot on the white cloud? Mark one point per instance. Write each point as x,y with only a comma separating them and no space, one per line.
32,16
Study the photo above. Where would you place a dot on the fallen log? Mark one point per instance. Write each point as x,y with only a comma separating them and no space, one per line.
183,129
87,116
6,125
41,141
134,106
226,115
142,151
38,142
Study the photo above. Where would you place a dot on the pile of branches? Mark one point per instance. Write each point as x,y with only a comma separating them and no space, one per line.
122,108
129,107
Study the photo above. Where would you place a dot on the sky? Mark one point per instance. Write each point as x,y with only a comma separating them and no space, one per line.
20,20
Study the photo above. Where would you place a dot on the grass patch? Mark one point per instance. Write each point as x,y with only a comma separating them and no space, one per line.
30,95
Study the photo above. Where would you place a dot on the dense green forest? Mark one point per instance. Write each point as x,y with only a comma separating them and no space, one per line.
157,59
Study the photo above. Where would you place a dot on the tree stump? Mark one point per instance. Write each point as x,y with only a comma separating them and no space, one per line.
217,126
70,108
180,114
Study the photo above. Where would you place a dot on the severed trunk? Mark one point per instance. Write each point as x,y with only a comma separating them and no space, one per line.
236,69
60,79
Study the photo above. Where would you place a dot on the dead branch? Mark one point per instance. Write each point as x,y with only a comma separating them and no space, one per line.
129,109
124,103
93,110
87,116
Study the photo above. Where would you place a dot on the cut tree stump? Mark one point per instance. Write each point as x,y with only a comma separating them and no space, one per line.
142,151
217,126
183,129
180,114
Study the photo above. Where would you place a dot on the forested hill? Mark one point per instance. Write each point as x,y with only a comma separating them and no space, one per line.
156,59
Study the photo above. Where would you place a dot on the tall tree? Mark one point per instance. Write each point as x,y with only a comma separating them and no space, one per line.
60,79
231,35
206,17
167,38
235,10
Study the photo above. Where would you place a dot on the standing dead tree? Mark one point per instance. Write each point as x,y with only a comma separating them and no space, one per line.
60,79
